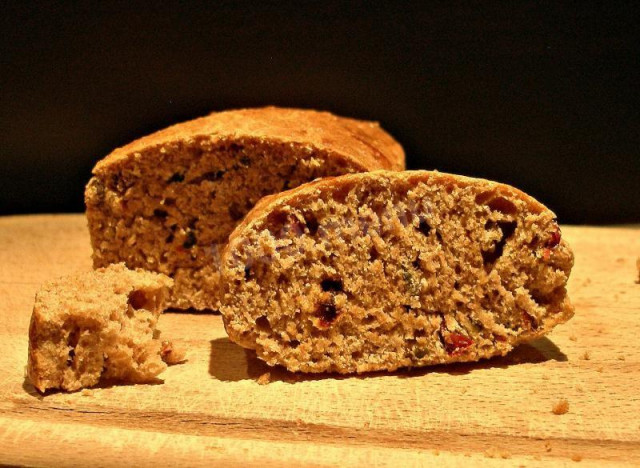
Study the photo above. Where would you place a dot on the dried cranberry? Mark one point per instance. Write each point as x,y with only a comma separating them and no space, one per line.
328,313
456,343
554,240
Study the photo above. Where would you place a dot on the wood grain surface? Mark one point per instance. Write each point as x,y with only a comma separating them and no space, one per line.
215,408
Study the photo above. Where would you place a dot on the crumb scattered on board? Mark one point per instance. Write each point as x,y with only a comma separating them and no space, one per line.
573,338
576,457
494,452
547,446
600,369
621,357
561,407
264,379
586,356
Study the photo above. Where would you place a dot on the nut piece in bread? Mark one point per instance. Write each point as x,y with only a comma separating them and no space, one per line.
383,270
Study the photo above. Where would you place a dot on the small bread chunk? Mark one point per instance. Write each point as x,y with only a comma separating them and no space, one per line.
384,270
97,325
168,202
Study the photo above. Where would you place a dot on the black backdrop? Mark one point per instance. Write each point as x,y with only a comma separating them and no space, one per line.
541,96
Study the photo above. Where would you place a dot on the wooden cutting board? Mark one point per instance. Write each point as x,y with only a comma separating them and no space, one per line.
213,409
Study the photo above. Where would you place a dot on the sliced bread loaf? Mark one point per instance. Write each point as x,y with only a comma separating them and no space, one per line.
383,270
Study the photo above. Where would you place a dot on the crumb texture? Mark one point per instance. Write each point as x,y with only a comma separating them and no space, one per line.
167,202
97,325
384,270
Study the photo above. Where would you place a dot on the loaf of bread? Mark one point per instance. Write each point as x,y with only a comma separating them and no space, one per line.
383,270
98,325
168,201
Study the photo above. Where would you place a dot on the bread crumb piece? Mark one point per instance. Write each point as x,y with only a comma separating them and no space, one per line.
494,452
367,424
172,354
537,457
573,338
586,356
620,260
436,452
264,379
587,282
561,407
547,446
600,369
86,392
621,358
545,377
576,457
579,388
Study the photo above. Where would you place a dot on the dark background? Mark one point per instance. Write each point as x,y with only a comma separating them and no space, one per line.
543,96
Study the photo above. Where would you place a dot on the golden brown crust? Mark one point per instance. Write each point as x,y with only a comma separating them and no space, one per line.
360,142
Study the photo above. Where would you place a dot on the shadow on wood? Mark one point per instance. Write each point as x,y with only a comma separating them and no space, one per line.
229,362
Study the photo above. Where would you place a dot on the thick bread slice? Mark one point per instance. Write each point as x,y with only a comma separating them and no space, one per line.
384,270
168,201
100,324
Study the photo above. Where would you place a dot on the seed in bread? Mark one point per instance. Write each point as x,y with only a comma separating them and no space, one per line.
97,325
384,270
168,201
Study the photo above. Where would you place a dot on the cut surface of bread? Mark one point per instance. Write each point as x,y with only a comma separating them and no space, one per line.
168,201
98,325
384,270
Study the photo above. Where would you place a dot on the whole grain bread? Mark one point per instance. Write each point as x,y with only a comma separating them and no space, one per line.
167,202
383,270
98,325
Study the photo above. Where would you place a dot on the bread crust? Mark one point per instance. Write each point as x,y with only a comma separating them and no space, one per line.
363,143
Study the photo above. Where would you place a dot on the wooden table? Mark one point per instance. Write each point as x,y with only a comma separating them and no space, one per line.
214,409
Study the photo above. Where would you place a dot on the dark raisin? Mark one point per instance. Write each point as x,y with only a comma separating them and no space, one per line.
312,223
416,263
169,238
247,272
328,313
236,212
158,213
373,253
190,241
177,177
245,161
210,176
137,299
330,284
294,343
424,227
285,185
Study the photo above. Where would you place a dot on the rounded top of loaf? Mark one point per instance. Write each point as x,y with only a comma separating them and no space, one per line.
362,142
300,195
